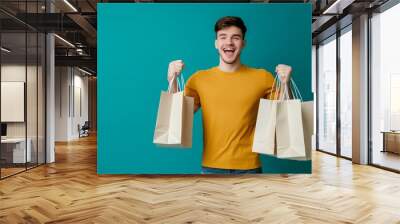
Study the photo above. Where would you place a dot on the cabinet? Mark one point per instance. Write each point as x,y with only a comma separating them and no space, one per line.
391,142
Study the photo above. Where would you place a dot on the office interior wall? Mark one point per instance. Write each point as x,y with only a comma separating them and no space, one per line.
62,113
32,112
12,98
71,102
17,73
11,73
41,97
24,62
34,107
92,98
80,108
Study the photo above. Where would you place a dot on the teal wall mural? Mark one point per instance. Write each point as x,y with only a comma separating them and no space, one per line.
135,44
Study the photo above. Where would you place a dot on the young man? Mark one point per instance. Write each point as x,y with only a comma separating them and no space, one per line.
229,96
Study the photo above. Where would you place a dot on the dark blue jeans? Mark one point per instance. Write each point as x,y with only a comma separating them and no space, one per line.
208,170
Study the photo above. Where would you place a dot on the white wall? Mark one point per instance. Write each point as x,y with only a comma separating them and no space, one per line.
33,126
71,94
62,81
15,72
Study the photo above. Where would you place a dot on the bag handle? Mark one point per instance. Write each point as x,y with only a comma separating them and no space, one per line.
274,85
284,91
296,90
281,92
180,83
284,94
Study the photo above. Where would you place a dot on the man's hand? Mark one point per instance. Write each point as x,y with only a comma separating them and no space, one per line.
174,69
283,72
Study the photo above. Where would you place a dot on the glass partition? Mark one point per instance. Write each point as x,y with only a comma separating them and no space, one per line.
22,77
327,95
14,153
385,89
346,93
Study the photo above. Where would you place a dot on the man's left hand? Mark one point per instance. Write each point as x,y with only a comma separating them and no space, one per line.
283,72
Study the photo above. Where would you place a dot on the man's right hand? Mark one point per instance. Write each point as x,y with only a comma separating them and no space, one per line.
174,69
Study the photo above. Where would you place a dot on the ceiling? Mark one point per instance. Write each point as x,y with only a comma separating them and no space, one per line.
76,22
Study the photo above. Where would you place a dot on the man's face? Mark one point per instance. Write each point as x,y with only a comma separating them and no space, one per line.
229,44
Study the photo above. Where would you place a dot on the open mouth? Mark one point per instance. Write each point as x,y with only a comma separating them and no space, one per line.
229,51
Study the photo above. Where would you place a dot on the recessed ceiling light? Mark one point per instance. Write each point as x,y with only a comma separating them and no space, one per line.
84,71
5,50
70,5
65,41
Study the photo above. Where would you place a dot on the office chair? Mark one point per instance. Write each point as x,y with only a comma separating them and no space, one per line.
84,130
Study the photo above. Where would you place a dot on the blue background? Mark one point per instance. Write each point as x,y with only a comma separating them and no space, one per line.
137,41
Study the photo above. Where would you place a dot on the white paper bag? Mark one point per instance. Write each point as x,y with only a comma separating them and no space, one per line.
174,120
289,130
307,112
264,134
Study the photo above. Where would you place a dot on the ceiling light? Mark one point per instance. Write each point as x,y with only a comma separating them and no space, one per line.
84,71
5,50
65,41
338,6
70,5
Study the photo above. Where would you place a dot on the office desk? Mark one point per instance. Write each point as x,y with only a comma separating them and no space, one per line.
13,150
391,141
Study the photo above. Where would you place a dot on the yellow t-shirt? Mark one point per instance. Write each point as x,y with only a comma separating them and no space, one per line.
229,102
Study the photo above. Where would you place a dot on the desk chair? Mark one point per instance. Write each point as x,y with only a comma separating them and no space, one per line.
84,130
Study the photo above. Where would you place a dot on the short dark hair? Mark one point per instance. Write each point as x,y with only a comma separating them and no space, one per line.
228,21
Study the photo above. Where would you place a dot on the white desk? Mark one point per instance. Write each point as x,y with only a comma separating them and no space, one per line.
19,149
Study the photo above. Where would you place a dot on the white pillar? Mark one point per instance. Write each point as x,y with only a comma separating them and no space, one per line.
360,90
50,99
50,92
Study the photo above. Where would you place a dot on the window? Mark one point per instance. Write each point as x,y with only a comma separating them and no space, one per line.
327,96
346,92
385,88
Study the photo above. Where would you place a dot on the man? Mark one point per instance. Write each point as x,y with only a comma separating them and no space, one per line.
229,96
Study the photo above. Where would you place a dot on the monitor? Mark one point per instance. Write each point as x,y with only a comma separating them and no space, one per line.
3,129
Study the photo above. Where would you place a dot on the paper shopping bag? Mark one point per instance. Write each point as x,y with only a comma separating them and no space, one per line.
187,122
307,112
289,130
264,134
174,120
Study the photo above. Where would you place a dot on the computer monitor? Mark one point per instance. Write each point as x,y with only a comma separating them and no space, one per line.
3,129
